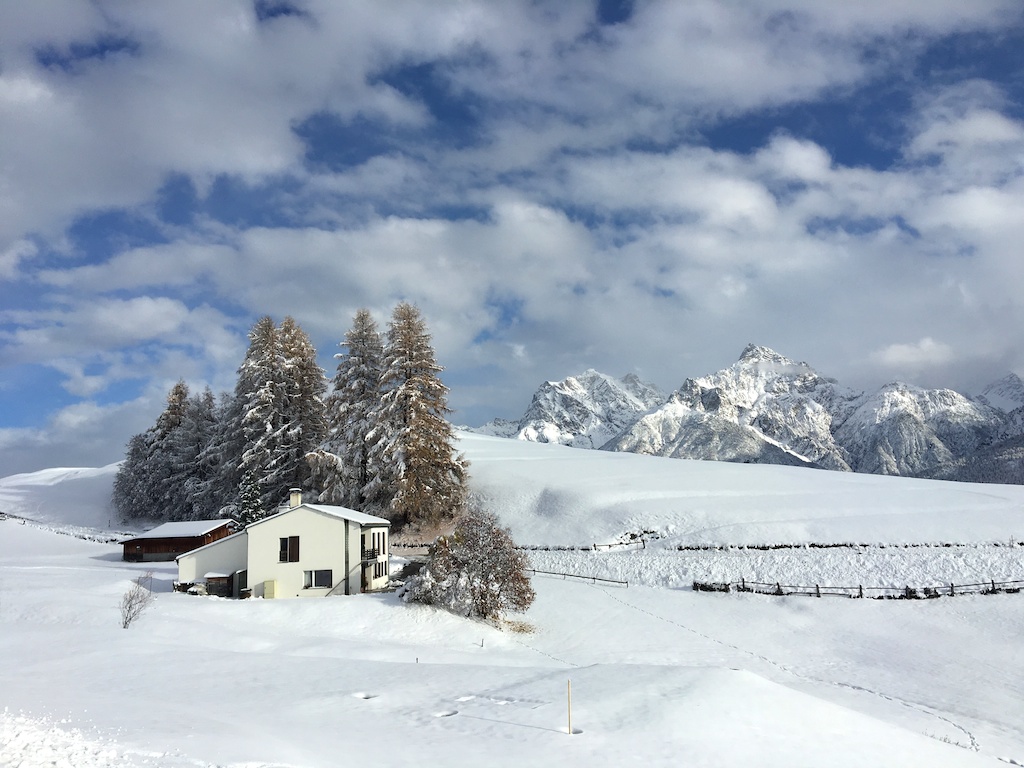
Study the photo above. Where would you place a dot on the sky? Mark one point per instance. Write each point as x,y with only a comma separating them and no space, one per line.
640,187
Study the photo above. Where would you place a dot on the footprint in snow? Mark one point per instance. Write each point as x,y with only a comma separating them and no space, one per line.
364,695
446,713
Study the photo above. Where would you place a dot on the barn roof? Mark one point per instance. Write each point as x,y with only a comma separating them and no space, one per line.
181,530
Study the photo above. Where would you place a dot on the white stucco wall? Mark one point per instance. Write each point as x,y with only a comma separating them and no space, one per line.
322,546
223,556
383,555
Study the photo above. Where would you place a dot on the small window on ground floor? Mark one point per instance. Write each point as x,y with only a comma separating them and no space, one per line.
318,579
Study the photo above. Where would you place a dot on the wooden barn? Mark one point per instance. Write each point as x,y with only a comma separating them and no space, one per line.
167,541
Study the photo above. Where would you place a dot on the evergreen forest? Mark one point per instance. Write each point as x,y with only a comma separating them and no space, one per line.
375,438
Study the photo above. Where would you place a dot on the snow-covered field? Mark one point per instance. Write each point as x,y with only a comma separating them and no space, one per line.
660,675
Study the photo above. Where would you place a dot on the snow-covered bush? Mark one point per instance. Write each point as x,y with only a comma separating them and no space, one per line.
477,571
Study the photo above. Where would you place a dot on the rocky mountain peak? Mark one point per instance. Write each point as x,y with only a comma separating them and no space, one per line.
754,353
1007,394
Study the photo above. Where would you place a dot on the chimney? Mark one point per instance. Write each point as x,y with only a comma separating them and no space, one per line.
294,498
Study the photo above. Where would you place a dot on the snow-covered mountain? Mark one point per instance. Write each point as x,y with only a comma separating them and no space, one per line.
768,409
906,430
1007,394
582,411
765,408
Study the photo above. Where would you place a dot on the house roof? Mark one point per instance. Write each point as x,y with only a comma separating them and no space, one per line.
349,514
181,530
216,543
342,513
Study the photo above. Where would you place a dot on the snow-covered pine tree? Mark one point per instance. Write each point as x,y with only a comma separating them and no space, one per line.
341,464
154,479
304,415
250,505
217,491
167,496
415,475
477,571
133,496
188,444
282,419
262,389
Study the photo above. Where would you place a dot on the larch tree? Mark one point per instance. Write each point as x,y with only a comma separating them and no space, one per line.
341,465
415,475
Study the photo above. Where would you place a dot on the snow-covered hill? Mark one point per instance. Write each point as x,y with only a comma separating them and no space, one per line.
71,499
768,409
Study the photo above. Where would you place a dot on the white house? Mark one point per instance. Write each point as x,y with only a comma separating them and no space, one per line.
306,550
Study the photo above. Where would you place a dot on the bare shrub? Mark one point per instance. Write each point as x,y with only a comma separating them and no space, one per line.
137,599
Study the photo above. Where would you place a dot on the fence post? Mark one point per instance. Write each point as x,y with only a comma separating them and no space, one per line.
743,583
951,592
860,590
817,590
568,692
993,585
778,588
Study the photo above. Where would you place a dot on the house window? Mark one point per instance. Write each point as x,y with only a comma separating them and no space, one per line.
318,579
289,549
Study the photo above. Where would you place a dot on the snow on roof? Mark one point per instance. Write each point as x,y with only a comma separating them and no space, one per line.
342,513
349,514
216,543
182,529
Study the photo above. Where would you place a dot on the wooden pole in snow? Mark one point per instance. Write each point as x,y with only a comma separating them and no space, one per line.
568,691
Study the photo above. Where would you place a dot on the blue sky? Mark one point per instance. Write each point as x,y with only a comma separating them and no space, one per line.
634,187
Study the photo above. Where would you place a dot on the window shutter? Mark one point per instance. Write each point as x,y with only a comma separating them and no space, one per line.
293,549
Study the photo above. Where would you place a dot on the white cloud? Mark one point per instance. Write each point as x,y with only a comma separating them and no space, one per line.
926,352
606,234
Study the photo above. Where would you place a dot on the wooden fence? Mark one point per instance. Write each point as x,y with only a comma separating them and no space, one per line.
591,579
990,587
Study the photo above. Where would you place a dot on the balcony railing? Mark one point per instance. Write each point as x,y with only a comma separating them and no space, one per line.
370,554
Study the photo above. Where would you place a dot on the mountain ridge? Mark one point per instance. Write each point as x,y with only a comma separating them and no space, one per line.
767,408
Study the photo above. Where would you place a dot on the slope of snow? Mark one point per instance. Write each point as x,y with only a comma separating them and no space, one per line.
660,675
68,497
554,495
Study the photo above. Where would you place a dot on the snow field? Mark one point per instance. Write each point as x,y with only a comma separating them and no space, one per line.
660,675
